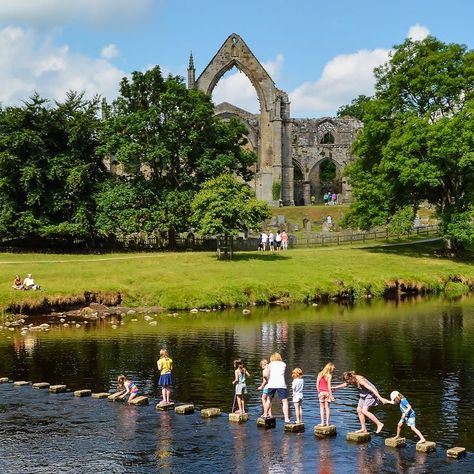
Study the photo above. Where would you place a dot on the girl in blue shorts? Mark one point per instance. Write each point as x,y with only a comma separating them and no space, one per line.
265,376
408,415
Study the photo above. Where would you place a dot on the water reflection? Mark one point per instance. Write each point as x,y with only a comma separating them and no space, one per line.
425,350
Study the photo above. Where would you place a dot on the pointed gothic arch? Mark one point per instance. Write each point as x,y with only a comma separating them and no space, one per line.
274,162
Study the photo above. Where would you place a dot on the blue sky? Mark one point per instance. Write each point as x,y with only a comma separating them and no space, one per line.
320,53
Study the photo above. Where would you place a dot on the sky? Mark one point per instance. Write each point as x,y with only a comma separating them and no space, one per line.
320,53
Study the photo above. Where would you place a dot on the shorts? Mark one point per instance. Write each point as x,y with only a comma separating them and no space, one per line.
410,421
281,392
297,398
265,391
165,380
240,389
278,244
368,402
324,397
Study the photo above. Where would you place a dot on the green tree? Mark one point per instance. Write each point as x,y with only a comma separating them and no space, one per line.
49,169
225,206
355,109
417,144
170,142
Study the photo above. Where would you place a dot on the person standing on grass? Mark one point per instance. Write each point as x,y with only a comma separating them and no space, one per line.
165,366
271,241
284,240
323,383
369,397
277,384
264,240
278,240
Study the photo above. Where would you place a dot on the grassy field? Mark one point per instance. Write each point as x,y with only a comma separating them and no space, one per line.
187,280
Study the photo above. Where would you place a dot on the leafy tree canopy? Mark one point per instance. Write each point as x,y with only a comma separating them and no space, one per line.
49,169
170,142
227,206
355,109
417,144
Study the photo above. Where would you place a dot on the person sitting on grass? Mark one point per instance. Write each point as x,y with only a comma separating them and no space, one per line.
29,283
17,285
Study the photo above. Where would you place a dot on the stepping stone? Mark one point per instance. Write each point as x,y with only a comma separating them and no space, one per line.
358,437
184,409
238,417
165,406
395,442
41,385
210,412
294,427
269,422
83,393
426,447
456,452
325,431
100,395
115,397
57,388
4,380
140,400
21,383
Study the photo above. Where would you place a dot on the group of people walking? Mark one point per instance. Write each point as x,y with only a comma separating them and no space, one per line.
274,383
273,242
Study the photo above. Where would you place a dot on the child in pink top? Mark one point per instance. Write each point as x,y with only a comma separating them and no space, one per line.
323,382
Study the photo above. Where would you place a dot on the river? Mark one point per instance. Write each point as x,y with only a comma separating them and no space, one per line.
423,348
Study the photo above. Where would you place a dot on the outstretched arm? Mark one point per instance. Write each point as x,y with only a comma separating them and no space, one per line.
341,385
362,381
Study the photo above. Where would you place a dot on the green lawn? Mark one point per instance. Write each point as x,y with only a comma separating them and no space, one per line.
187,280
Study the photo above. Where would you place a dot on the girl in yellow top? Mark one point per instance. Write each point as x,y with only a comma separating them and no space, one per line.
165,366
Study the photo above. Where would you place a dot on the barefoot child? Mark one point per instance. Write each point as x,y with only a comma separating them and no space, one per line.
368,397
265,375
240,382
297,388
408,415
123,383
323,382
165,366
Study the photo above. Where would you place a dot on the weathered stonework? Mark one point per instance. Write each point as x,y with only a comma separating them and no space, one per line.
184,409
289,151
426,447
238,417
356,437
395,442
325,431
210,412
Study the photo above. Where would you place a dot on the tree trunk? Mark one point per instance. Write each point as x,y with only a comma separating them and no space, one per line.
172,238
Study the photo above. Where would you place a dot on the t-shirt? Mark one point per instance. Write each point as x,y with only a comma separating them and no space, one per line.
284,236
277,374
297,388
404,405
278,237
271,237
165,365
264,238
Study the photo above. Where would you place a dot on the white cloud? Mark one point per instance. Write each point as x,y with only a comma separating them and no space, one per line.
236,88
344,77
57,12
418,32
110,51
31,63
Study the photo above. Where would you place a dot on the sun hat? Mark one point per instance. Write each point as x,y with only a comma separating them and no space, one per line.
394,395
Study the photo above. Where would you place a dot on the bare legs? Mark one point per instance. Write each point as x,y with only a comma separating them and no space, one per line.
264,401
286,409
325,411
165,391
299,411
240,404
414,429
362,413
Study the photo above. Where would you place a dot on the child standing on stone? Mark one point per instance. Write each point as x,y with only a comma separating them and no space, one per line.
265,376
123,383
408,415
297,389
165,366
323,383
240,382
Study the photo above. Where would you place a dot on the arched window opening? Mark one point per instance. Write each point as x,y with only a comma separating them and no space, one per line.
298,191
328,139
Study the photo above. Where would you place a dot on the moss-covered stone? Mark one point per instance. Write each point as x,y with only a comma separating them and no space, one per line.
210,412
184,409
426,447
358,437
323,431
395,442
238,417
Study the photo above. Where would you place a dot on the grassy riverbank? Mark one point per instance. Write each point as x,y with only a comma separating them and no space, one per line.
187,280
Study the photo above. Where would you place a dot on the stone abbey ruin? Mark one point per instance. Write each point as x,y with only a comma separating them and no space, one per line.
305,157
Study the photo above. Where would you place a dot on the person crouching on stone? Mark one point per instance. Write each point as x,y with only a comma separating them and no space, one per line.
123,383
369,397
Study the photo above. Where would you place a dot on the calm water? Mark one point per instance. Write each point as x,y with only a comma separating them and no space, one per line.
424,349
